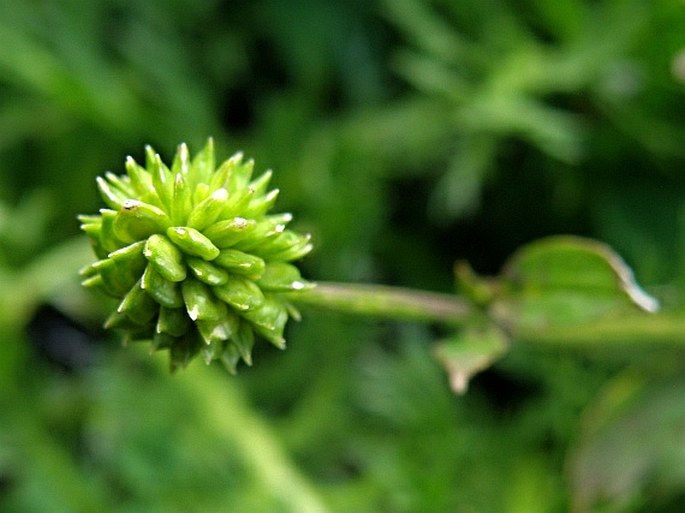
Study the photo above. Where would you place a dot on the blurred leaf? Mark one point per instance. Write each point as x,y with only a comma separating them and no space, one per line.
468,352
630,454
24,227
43,278
563,281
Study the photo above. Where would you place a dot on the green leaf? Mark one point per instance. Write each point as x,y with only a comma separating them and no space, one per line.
563,281
469,352
631,443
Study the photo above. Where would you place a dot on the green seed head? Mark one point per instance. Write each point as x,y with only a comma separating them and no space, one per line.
193,257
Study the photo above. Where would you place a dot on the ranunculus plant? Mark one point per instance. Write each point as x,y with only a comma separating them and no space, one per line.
200,266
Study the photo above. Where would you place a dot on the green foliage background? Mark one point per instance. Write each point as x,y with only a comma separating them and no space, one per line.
405,135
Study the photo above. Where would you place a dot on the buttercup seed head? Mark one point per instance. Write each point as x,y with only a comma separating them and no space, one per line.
198,265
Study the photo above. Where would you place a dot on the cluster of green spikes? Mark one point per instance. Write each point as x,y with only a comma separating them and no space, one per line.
197,264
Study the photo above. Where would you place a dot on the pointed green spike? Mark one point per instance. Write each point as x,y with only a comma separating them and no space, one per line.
165,258
200,301
286,240
282,277
137,220
238,262
206,272
141,180
113,196
220,177
242,294
138,306
241,172
203,163
244,339
226,233
123,183
183,350
208,210
260,205
192,242
181,163
108,239
230,358
219,329
212,351
161,340
163,291
116,278
162,181
260,184
173,321
269,320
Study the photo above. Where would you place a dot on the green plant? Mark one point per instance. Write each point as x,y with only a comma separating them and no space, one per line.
199,267
189,251
406,135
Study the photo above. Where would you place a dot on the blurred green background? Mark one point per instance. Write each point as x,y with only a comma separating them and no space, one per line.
405,135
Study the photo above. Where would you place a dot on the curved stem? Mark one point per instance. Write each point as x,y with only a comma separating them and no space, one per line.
385,301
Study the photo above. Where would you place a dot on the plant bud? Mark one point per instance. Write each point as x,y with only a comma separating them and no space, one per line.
198,266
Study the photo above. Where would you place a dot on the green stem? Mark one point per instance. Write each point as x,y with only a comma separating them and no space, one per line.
639,329
384,301
256,441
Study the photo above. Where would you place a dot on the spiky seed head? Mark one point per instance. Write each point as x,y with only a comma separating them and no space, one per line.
197,263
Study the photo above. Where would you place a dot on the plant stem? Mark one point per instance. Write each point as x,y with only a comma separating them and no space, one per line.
414,305
384,301
225,407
